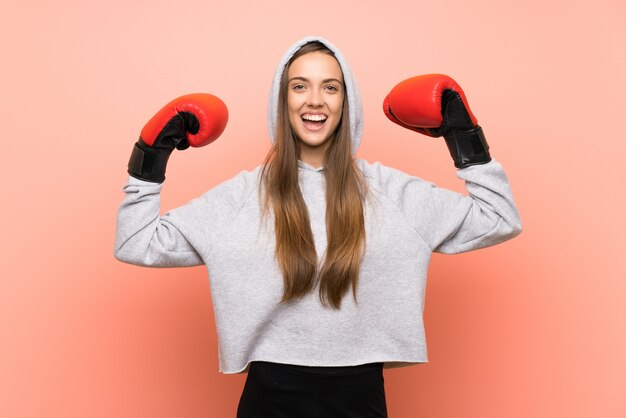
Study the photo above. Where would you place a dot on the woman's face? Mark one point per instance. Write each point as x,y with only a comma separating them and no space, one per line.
314,102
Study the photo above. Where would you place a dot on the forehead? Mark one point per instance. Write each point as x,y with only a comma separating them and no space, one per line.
315,65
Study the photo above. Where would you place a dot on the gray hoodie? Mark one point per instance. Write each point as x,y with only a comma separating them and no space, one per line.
407,219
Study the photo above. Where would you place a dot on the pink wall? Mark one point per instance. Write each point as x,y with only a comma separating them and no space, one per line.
535,327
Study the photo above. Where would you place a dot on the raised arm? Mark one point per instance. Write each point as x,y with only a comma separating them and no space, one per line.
451,222
143,237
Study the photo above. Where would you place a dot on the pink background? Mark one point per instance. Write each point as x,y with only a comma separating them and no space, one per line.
535,327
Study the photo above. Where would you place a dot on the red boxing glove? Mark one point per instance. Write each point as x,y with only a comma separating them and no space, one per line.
192,120
202,120
435,105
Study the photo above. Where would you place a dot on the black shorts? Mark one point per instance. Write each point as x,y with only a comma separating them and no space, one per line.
275,390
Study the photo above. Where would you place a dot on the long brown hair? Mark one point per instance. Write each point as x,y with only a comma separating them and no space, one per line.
346,192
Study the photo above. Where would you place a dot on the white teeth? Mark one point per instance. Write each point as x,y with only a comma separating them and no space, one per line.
314,118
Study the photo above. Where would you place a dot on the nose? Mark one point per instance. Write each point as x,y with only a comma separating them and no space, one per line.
315,98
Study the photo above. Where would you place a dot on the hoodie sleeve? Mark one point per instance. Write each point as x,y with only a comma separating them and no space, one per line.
450,222
145,238
182,236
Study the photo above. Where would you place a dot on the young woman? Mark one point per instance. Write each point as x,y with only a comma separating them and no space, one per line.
317,259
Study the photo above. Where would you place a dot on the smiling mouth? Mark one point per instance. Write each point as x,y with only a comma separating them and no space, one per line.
313,122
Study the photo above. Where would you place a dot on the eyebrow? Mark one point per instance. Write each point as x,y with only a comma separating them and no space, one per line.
327,80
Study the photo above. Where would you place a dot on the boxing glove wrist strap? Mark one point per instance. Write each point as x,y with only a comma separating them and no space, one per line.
468,147
147,163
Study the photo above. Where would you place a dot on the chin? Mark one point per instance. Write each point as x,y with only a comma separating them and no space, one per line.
314,142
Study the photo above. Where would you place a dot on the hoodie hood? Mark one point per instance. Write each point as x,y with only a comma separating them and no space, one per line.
353,95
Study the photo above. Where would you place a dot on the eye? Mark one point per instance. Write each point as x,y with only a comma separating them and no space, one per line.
332,88
297,87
